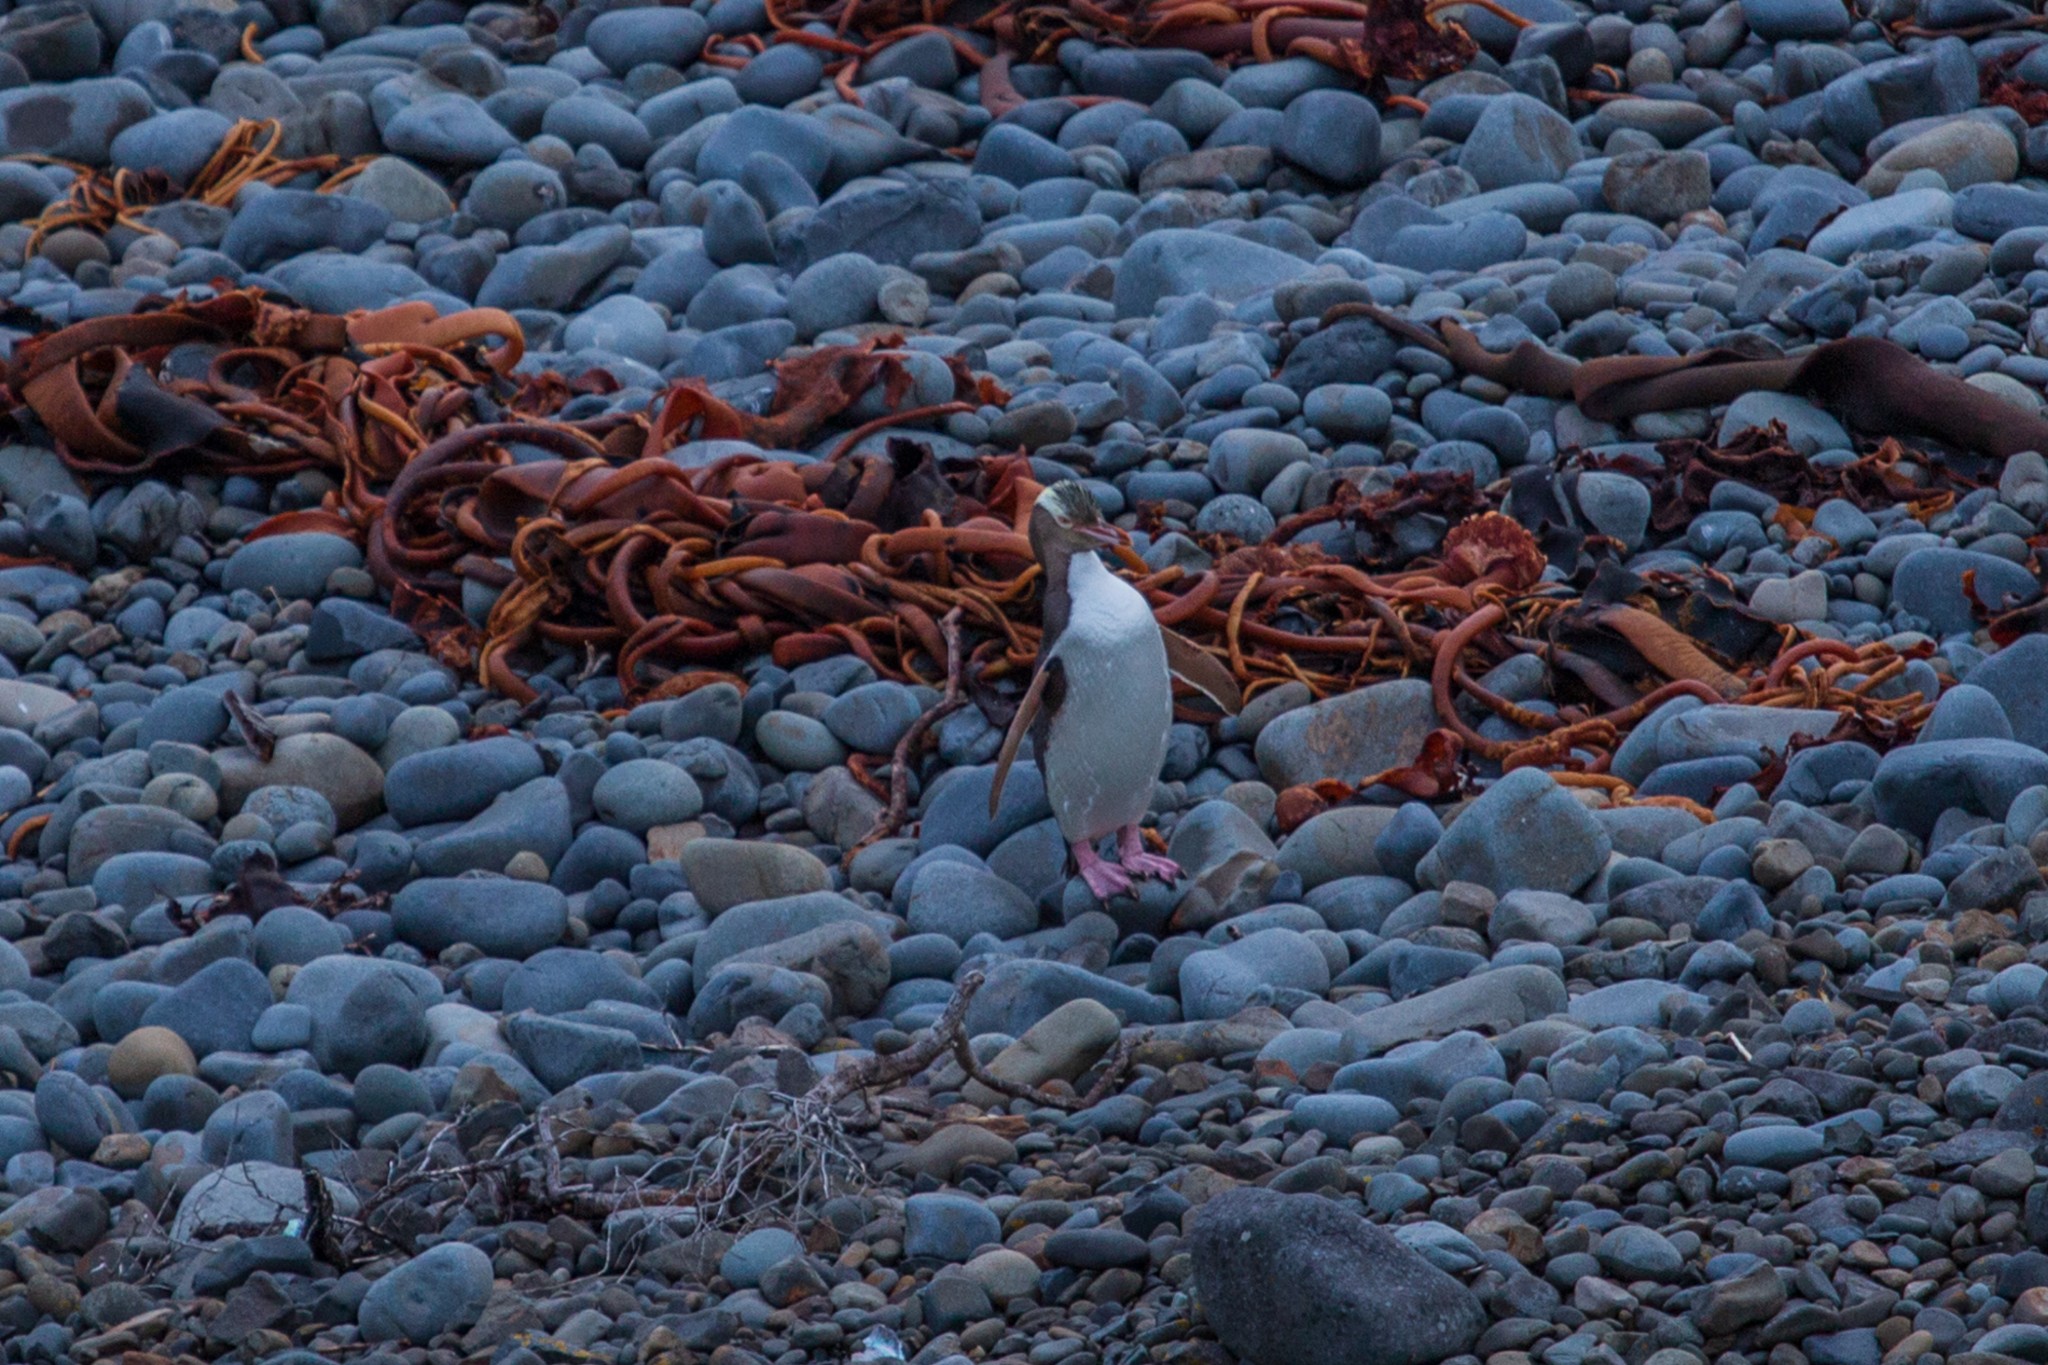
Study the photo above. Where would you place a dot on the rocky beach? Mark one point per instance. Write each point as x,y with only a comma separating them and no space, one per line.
513,581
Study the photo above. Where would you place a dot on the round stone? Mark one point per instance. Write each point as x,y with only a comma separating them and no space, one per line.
144,1055
644,792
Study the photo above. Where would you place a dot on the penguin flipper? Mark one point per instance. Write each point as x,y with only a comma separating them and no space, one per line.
1020,725
1197,668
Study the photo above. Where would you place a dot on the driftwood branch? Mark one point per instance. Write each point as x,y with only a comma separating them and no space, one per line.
1118,1062
749,1169
908,747
795,1151
872,1072
1114,1070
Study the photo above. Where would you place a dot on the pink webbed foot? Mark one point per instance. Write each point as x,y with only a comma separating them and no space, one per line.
1151,865
1104,878
1131,853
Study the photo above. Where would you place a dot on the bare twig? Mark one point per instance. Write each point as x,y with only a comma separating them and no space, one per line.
124,1337
770,1165
1119,1061
871,1072
775,1162
752,1169
1120,1058
319,1233
913,740
256,731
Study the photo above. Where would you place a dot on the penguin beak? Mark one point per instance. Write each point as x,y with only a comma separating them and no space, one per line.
1104,534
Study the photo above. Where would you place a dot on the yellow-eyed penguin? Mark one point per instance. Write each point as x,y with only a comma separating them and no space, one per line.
1101,694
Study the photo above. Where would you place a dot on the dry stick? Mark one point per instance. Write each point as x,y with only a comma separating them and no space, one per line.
749,1150
422,1171
1120,1058
1119,1061
256,731
124,1336
320,1220
809,1131
892,819
809,1127
871,1072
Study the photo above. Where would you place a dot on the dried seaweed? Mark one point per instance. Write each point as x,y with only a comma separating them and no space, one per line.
1997,85
100,199
627,545
1878,386
1375,41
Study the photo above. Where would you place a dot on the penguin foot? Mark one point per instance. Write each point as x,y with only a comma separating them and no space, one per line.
1104,878
1131,853
1151,865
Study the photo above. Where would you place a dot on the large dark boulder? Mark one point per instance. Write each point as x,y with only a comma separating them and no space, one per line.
1287,1278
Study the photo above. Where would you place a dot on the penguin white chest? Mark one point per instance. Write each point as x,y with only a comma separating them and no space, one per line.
1108,737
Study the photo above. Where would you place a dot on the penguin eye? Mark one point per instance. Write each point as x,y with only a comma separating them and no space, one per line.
1066,523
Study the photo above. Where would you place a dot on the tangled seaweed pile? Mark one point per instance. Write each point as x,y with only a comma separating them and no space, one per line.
248,154
646,540
1395,40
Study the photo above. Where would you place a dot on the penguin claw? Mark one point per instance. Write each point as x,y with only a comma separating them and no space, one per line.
1139,863
1151,865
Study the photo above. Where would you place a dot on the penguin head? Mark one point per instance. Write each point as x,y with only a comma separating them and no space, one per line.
1066,521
